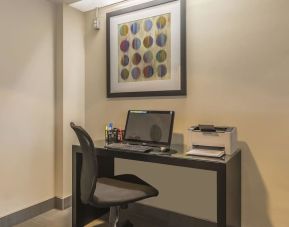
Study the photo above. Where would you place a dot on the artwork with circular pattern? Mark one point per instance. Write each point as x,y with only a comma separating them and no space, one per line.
136,43
123,30
161,56
124,74
136,58
148,57
148,24
124,45
135,73
161,40
162,70
124,60
161,22
135,27
144,52
148,71
148,41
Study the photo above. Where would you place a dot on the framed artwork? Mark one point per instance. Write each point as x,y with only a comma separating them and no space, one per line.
146,50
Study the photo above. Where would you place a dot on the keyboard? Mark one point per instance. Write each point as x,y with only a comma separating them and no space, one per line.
129,147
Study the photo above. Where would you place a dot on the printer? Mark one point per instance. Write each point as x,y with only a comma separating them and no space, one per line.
209,140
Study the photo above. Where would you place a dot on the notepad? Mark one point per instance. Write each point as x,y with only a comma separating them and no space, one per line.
206,152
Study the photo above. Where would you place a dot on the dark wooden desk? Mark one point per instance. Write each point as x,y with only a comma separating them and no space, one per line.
228,179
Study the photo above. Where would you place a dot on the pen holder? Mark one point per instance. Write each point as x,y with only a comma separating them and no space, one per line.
112,136
120,135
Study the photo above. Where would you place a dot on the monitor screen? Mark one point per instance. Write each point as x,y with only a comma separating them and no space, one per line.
151,127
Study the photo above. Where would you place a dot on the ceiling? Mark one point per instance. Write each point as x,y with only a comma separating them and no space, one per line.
65,1
87,5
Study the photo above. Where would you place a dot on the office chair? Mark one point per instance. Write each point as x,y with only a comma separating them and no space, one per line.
107,192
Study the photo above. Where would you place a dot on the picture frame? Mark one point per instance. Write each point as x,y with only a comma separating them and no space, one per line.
146,50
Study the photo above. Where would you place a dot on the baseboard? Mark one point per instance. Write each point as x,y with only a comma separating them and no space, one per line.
33,211
27,213
62,204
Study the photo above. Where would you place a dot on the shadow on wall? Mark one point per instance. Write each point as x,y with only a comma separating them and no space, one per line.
254,194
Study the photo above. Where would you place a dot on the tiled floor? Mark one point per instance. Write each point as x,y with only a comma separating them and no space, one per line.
56,218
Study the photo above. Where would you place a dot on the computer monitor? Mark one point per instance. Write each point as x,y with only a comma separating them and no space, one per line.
149,127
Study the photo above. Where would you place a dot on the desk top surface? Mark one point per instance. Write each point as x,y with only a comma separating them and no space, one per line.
176,154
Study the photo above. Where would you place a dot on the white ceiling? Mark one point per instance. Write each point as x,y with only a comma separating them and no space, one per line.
65,1
87,5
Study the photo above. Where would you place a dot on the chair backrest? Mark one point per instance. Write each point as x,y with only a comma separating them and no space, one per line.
89,170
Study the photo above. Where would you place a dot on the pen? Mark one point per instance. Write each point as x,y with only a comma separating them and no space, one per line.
106,133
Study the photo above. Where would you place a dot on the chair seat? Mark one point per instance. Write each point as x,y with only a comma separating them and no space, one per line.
120,190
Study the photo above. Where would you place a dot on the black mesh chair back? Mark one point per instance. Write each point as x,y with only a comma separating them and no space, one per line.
89,170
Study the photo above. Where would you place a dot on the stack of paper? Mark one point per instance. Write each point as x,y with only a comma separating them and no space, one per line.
206,152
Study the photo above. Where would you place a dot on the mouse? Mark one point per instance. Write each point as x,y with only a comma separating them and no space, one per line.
163,149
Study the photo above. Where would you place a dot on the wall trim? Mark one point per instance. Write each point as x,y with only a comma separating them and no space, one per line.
63,203
27,213
35,210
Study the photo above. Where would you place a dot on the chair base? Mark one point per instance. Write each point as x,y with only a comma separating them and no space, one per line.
114,218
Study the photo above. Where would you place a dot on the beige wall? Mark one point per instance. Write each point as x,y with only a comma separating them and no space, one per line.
73,88
238,65
27,103
70,91
41,86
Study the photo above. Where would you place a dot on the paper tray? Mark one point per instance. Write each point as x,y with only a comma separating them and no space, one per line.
207,153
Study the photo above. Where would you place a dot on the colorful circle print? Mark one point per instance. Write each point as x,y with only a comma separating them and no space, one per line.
148,57
148,24
161,40
136,43
135,73
161,22
148,71
148,41
135,28
161,56
136,58
123,30
124,74
124,60
124,45
162,70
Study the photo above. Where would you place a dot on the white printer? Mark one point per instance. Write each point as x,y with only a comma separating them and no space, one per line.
208,140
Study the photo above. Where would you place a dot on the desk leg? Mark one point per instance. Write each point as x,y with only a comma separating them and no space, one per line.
83,214
221,197
233,189
229,194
